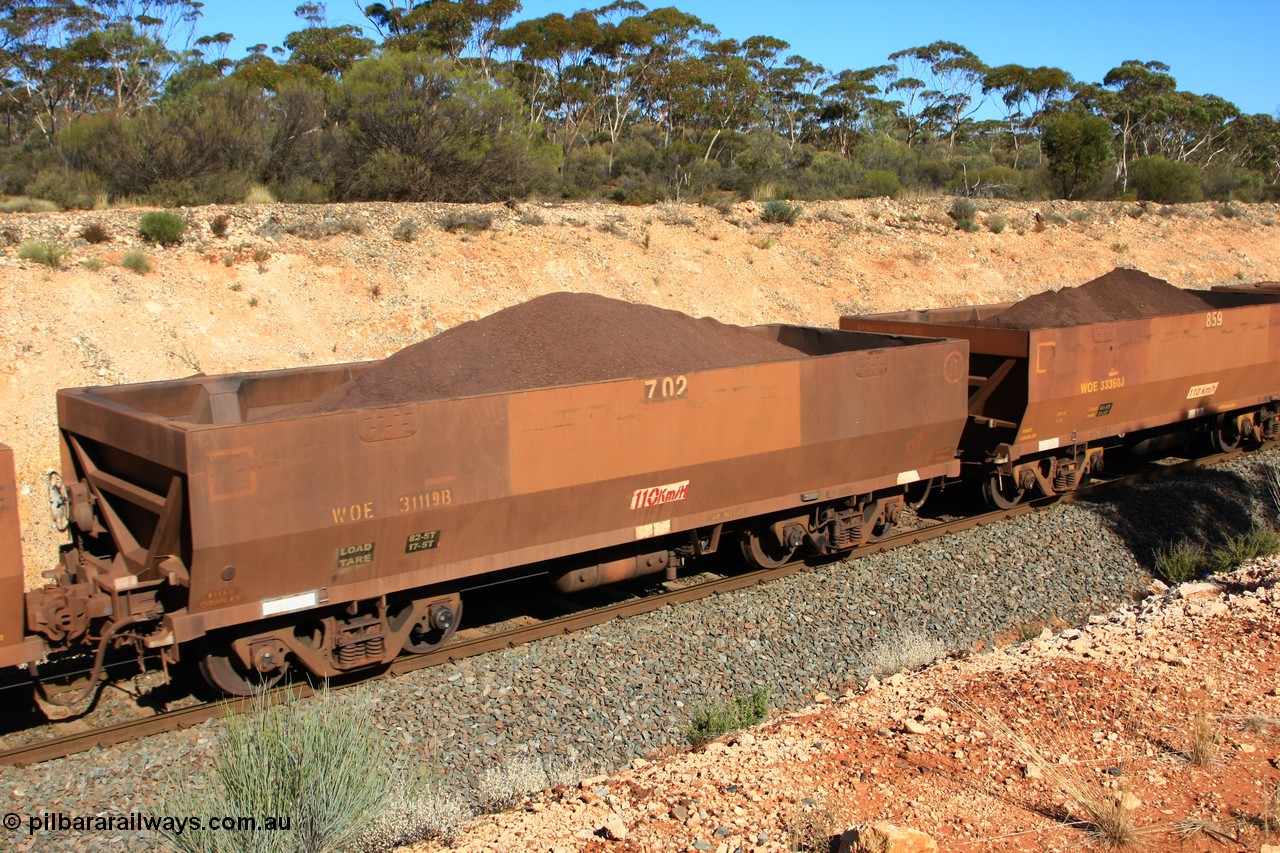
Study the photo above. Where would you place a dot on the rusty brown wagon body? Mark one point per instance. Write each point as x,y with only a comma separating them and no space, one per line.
338,539
15,646
1043,402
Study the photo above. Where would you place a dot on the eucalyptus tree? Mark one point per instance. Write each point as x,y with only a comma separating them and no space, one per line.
1130,95
330,49
719,92
940,84
69,59
852,104
419,127
1077,148
456,28
1026,94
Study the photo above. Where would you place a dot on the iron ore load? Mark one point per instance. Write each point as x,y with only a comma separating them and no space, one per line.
1124,362
328,518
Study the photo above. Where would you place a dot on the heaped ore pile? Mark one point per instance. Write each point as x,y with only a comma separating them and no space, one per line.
557,339
1122,294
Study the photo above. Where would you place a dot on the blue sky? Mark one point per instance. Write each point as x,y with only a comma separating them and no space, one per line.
1225,48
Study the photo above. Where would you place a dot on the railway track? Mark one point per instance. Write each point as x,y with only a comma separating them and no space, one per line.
476,642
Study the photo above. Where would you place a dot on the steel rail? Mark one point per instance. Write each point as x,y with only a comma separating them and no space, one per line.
458,650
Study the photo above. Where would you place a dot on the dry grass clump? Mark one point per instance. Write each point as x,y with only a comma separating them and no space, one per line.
1269,816
434,813
503,786
905,651
469,221
1102,811
811,826
258,194
1204,739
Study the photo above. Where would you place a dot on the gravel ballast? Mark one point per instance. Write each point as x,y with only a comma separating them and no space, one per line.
600,698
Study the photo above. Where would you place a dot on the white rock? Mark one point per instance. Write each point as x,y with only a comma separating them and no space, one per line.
613,828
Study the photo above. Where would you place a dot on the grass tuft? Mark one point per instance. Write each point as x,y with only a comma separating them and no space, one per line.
719,718
42,252
1102,811
136,260
435,813
780,212
319,763
258,194
1204,739
1269,816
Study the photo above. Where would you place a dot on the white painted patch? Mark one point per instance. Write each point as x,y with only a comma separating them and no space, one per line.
658,528
1049,444
290,603
908,477
1195,413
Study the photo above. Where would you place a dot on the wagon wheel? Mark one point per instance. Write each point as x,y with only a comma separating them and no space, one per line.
1224,435
881,530
1001,492
221,667
762,549
438,628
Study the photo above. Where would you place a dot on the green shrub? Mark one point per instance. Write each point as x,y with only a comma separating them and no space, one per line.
162,227
136,260
301,191
67,189
1181,561
717,719
996,224
964,212
95,233
879,183
42,252
1232,183
319,763
778,211
1258,542
470,221
1165,181
94,264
